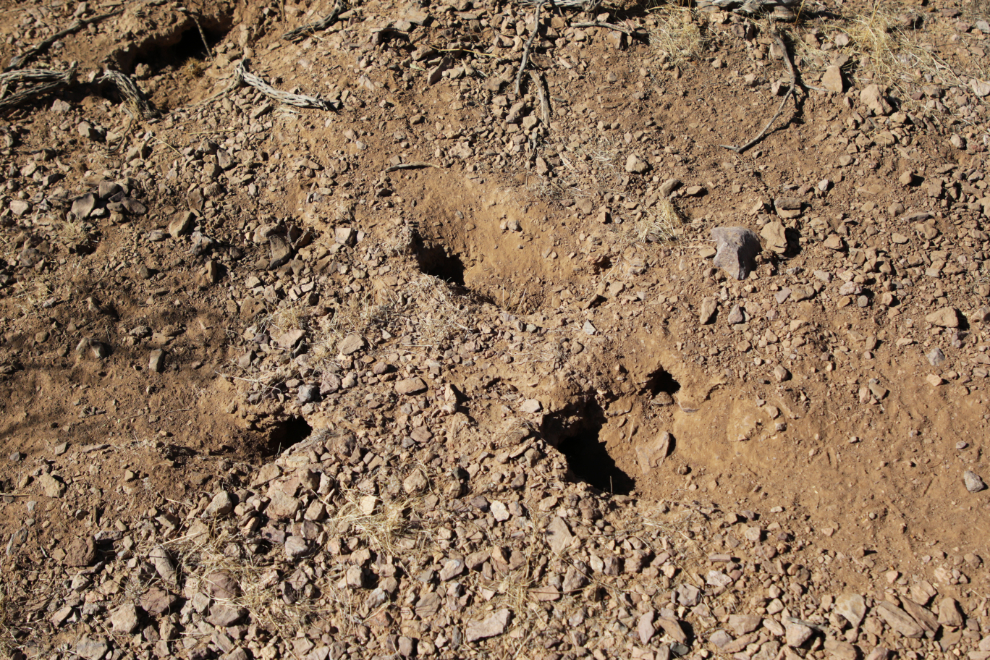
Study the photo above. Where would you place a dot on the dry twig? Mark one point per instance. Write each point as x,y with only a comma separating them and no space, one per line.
607,26
298,100
302,32
134,102
41,46
780,108
529,44
55,80
409,166
544,105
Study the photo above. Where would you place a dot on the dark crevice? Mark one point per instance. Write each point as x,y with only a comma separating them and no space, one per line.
177,48
283,434
662,381
440,262
575,432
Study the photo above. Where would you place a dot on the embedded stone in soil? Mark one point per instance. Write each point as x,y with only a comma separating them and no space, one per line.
575,432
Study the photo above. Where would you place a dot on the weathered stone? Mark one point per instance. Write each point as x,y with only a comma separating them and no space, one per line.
92,648
949,613
636,165
351,344
741,624
125,619
852,607
832,80
706,314
559,535
899,620
737,248
80,552
221,585
83,206
225,614
491,627
947,317
410,386
973,482
221,505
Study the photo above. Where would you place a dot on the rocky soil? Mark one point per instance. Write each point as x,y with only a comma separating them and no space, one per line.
353,341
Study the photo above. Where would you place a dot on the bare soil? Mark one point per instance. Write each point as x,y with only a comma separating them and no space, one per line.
265,284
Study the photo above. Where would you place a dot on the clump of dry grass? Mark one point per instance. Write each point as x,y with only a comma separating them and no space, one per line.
661,223
877,37
678,35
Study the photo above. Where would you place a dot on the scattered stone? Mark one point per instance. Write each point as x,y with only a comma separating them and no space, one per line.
832,79
707,313
737,249
221,505
92,648
493,626
351,344
636,165
973,482
899,620
947,317
410,386
852,607
80,552
125,619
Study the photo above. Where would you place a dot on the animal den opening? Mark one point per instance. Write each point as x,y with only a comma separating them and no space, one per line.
283,434
575,432
183,46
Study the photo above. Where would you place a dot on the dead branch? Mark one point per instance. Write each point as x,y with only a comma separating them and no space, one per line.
298,100
134,102
409,166
780,108
302,32
57,81
41,46
607,26
529,44
544,105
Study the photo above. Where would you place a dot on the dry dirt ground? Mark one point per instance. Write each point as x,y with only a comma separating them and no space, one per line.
431,365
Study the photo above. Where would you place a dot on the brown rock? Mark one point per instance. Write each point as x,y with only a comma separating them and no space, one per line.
947,317
80,552
949,613
491,627
899,620
410,386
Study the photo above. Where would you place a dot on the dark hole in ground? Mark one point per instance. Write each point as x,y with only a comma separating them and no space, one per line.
440,262
575,432
661,381
284,434
183,47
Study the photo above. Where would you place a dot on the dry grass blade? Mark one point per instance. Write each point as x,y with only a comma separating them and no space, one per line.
661,223
678,35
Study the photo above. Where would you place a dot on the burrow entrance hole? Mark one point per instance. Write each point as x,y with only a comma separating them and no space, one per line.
575,433
661,382
283,434
440,261
180,48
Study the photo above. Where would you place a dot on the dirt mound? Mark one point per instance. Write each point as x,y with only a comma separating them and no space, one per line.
322,336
